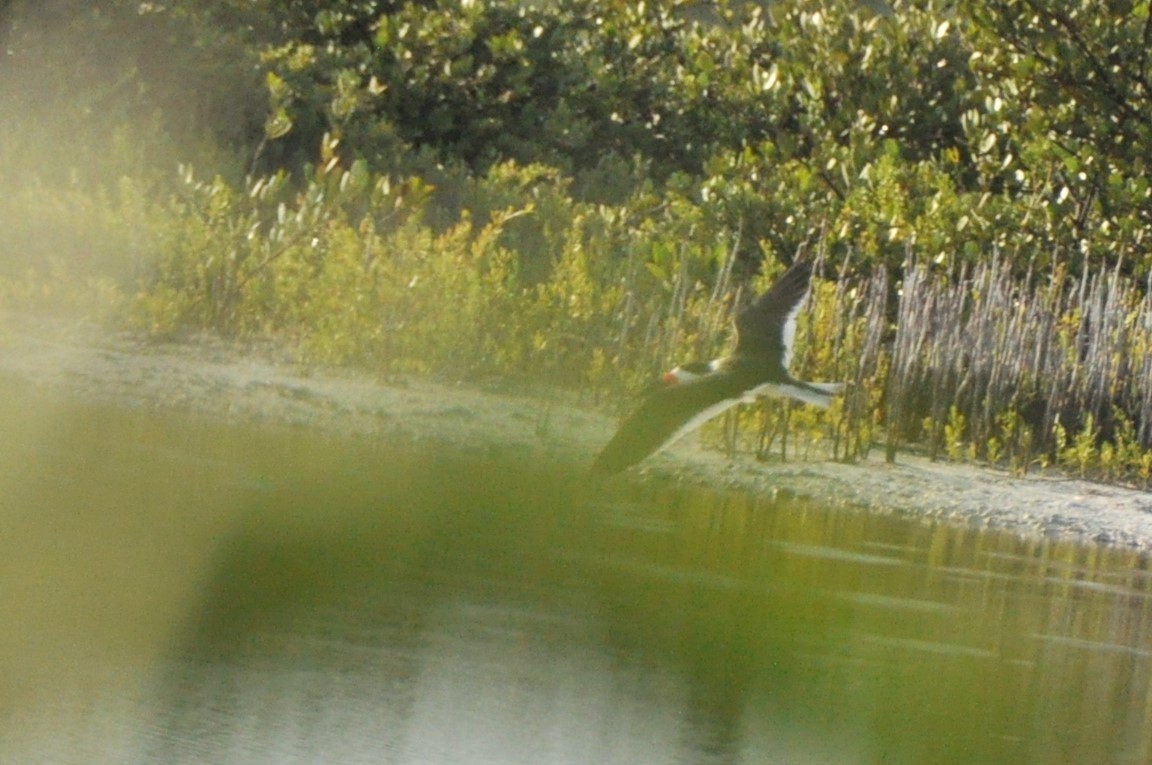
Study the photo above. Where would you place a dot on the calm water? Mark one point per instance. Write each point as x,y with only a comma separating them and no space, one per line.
178,592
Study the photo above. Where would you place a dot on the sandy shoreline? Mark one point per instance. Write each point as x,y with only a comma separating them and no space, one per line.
217,380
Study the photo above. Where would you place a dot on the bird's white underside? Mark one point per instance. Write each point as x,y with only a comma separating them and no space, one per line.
820,396
790,329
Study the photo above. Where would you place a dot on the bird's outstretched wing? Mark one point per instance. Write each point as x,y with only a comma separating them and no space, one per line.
766,328
665,415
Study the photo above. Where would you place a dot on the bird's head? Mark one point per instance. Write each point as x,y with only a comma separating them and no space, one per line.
690,372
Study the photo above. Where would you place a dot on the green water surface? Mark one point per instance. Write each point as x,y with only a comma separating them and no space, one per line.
179,591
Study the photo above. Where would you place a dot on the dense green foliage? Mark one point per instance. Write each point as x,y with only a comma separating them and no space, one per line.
578,191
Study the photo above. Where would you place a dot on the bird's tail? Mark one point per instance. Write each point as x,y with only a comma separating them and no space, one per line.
815,393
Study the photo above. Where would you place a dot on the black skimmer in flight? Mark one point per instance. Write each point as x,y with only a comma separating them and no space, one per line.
694,393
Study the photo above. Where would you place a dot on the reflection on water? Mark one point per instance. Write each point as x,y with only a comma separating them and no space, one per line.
185,593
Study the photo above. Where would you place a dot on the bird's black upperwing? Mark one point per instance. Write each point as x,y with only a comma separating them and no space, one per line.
765,328
659,418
